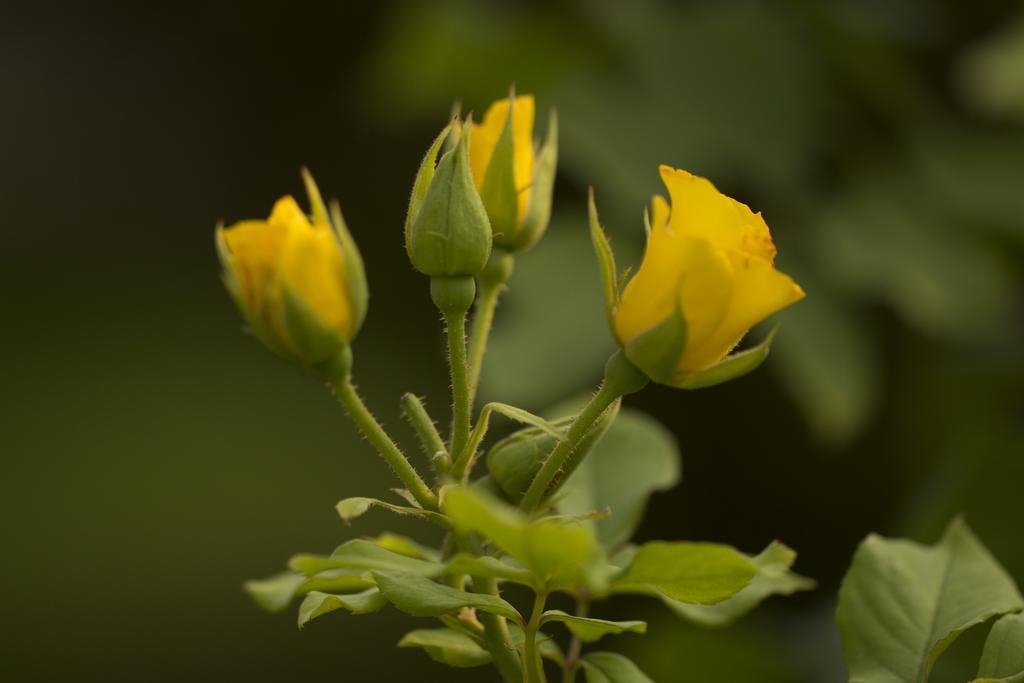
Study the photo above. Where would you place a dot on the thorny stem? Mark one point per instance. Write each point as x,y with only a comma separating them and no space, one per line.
353,404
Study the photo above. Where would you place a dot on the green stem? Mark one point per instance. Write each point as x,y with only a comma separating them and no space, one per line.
532,665
426,430
620,378
497,638
461,401
572,657
453,296
491,284
350,400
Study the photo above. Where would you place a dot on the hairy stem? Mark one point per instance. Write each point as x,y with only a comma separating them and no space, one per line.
620,377
353,404
491,284
497,638
461,401
426,430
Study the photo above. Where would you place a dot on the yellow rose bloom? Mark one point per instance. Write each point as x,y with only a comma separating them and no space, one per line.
515,181
299,283
709,261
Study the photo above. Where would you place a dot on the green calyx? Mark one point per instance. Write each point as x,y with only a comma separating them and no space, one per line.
447,230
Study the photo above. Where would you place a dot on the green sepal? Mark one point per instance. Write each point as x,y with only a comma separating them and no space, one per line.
448,647
317,604
312,341
658,350
450,233
729,368
498,192
605,261
355,272
423,177
538,208
316,200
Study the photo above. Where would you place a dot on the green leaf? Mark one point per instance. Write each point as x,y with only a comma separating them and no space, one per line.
609,667
731,367
1003,656
316,604
465,564
350,508
605,260
422,597
447,647
702,573
773,578
591,630
555,551
636,457
275,593
902,603
360,554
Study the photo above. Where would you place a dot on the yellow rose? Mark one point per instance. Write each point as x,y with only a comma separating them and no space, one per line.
514,181
299,283
707,277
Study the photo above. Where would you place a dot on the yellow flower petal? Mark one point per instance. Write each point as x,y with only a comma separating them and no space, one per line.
758,291
312,267
485,137
700,210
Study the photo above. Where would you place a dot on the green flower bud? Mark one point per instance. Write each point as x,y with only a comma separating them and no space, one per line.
446,229
514,461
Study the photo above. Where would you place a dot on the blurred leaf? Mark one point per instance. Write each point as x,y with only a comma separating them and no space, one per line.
989,75
902,603
1003,656
975,174
350,508
447,647
550,323
403,545
422,597
828,361
591,630
883,240
555,551
702,573
636,457
471,565
609,667
317,604
773,578
360,554
274,594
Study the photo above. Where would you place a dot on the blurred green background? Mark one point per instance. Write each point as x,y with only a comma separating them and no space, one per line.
154,457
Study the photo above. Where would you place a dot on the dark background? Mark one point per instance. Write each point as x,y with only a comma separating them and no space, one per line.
154,457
